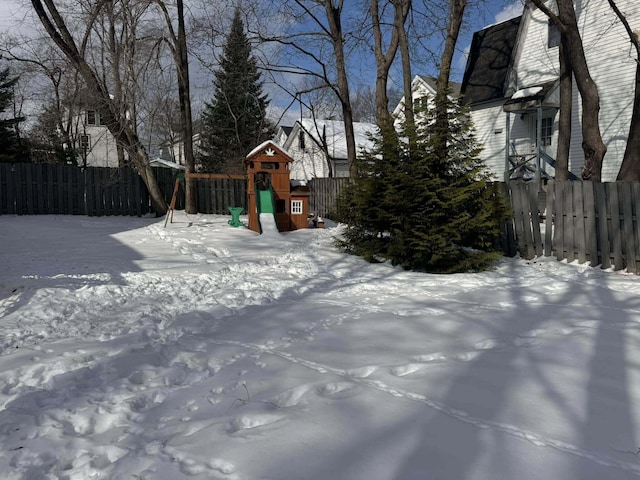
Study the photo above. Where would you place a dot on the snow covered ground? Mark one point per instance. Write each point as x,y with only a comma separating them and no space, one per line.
130,351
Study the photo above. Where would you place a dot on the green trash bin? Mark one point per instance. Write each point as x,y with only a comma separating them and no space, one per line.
235,216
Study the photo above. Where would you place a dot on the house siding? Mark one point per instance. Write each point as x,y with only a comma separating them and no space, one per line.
612,64
102,151
490,128
309,161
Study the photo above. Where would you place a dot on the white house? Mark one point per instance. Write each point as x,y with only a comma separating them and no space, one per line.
172,150
96,145
317,144
423,91
511,85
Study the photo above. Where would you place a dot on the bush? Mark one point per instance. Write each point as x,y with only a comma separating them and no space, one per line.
422,207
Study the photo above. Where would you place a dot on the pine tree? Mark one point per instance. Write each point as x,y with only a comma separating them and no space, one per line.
11,149
422,210
235,122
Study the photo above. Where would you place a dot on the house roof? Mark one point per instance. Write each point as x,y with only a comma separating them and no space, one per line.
532,96
431,82
161,162
489,60
333,131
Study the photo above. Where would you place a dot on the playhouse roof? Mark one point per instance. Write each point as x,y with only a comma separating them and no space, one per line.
265,146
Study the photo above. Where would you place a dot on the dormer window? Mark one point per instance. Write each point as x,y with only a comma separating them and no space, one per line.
90,117
420,103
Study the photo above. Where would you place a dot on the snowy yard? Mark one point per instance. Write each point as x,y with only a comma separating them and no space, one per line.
201,351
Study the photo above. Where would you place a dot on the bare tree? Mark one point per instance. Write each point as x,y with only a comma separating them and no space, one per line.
385,56
566,109
456,15
592,145
630,168
178,46
331,71
119,125
407,79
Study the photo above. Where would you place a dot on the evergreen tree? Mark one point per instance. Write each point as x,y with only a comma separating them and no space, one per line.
422,210
11,149
234,123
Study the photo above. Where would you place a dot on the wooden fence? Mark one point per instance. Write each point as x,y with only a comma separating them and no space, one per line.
324,194
585,221
33,189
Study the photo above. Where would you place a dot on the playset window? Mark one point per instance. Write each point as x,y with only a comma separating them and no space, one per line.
296,207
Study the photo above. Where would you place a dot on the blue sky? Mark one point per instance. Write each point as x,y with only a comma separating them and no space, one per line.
16,15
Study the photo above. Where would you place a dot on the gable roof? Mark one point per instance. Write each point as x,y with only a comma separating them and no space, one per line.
489,60
431,82
268,145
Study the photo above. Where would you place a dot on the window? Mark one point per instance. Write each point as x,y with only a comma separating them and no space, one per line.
91,117
553,35
547,131
101,120
85,142
421,103
301,144
296,207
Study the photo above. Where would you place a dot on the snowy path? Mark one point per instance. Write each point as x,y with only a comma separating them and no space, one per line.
202,351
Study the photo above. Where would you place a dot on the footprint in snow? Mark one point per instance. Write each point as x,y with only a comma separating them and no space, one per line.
430,357
338,390
362,372
408,369
222,466
251,422
290,398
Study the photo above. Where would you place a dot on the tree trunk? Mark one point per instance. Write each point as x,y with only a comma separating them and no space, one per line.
384,60
116,123
456,14
407,81
566,108
630,168
334,16
182,66
592,145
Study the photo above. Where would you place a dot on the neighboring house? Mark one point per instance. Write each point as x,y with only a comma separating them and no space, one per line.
96,145
316,144
159,162
172,150
511,86
281,135
423,91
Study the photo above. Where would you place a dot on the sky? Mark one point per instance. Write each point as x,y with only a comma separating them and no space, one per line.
202,351
16,16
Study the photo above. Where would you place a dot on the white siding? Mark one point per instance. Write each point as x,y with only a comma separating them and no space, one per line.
534,63
308,162
490,128
612,65
102,150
